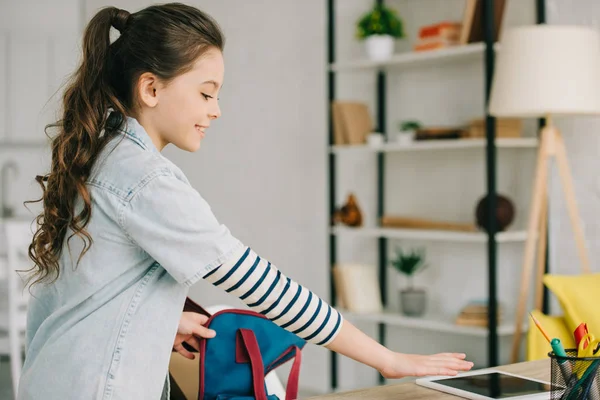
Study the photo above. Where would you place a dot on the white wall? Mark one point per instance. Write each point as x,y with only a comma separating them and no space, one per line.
37,50
583,148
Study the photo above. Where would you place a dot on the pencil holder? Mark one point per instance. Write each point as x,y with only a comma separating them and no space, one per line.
574,377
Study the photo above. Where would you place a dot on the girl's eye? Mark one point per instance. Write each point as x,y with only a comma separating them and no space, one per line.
206,96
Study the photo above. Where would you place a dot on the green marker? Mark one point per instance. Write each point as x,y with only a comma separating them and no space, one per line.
558,348
559,351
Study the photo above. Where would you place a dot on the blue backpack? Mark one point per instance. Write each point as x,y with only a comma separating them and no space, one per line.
247,346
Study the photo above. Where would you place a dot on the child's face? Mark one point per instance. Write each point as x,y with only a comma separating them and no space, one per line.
181,111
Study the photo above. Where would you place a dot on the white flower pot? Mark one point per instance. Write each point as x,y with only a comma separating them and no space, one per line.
405,138
375,139
380,47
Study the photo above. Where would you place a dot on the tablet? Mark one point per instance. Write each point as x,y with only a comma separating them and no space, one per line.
489,384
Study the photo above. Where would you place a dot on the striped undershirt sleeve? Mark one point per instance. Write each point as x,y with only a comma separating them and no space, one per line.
265,289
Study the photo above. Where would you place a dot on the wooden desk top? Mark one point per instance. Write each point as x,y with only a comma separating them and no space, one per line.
533,369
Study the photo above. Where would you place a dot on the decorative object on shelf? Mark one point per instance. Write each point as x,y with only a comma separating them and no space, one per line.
349,214
408,130
422,223
437,133
505,213
438,36
375,139
505,128
543,71
351,122
357,288
379,27
471,30
413,302
475,313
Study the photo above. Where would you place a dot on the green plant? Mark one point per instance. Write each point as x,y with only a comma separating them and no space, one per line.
410,125
380,20
409,263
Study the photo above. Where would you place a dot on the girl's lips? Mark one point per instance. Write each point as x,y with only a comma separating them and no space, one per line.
200,130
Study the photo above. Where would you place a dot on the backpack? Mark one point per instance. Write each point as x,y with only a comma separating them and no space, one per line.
247,346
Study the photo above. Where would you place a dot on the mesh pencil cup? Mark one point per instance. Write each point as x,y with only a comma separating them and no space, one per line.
574,378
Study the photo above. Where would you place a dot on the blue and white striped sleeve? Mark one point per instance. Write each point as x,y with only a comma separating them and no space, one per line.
265,289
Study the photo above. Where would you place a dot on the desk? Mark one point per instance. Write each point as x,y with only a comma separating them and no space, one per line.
533,369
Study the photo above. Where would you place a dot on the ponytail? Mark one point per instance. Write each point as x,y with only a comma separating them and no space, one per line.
86,103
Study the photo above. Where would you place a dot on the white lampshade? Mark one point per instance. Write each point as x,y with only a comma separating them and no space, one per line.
547,70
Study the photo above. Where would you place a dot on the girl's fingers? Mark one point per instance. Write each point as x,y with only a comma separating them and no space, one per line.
446,371
195,343
181,350
204,332
200,318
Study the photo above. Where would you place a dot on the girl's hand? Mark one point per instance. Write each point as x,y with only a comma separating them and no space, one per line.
403,365
191,325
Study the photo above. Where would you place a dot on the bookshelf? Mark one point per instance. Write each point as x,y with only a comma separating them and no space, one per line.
482,52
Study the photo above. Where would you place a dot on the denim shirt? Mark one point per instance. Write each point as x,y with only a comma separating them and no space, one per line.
105,328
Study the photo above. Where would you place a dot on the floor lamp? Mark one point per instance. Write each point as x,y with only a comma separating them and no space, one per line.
545,71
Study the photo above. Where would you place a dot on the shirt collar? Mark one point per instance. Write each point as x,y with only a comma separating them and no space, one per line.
134,131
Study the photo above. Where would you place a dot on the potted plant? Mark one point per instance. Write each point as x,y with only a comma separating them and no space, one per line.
408,130
379,27
412,300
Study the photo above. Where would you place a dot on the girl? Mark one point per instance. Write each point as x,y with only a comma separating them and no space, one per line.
123,235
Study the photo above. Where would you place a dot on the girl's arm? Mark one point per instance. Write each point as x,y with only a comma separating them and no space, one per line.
266,290
354,344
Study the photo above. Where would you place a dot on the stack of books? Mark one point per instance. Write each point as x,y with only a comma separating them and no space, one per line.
475,313
438,36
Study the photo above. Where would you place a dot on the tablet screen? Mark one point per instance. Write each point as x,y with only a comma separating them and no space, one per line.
496,385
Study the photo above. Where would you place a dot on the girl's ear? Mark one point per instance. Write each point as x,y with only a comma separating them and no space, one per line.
147,85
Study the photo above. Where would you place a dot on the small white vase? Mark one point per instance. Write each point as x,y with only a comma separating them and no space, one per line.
404,138
380,47
375,139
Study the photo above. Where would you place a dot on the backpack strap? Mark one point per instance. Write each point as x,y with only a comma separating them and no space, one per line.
291,391
191,306
256,363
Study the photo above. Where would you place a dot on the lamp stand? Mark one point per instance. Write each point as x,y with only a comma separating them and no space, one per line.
551,146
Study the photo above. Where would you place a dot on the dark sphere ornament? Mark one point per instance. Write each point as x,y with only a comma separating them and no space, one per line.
505,213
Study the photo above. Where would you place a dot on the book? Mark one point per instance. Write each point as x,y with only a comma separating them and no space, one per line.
351,122
357,288
475,313
434,45
445,29
472,24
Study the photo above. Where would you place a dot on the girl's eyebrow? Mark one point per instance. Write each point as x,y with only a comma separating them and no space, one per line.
214,83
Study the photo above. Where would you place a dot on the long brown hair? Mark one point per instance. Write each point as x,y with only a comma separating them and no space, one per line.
161,39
